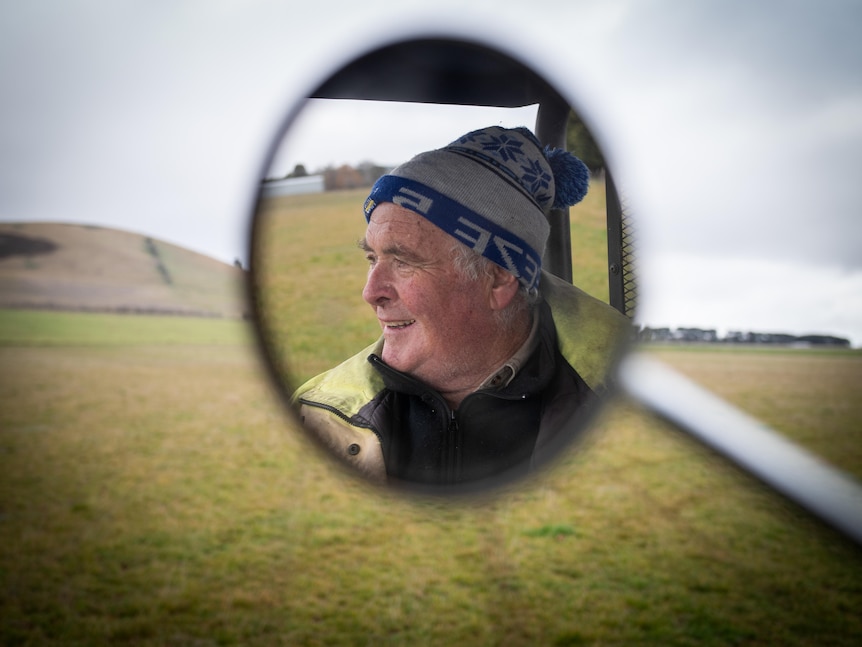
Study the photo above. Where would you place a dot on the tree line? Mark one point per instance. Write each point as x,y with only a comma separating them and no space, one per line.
711,336
336,178
579,140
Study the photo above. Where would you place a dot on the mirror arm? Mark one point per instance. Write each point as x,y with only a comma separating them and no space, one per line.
831,495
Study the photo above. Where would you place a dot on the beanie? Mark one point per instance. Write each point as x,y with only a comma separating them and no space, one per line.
492,190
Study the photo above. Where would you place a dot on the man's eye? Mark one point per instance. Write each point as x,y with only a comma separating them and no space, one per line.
371,258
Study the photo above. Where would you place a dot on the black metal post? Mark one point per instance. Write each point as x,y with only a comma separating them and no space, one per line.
551,125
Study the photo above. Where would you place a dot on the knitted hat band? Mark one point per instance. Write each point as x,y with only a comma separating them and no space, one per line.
474,230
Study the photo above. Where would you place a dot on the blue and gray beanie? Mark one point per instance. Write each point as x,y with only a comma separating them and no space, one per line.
492,190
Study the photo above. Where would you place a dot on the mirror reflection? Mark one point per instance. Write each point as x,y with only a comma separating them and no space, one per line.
413,317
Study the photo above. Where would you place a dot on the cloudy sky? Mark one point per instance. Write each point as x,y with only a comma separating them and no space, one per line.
735,128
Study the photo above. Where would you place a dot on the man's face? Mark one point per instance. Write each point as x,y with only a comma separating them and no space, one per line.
435,323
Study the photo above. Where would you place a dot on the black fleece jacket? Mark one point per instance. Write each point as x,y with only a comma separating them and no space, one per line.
493,431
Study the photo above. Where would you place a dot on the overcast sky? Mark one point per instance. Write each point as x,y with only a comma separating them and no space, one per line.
735,128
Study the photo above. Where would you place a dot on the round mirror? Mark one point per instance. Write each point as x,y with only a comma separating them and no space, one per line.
417,234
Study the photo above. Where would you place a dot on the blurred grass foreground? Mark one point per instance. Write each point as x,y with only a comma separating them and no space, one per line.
152,492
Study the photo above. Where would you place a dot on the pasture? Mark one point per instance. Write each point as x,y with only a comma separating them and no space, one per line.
154,492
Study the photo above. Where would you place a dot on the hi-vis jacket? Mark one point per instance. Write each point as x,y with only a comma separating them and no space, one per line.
349,406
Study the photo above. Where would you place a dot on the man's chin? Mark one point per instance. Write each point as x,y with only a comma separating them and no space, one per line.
397,359
391,357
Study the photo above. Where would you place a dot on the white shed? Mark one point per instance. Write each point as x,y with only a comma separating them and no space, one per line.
292,186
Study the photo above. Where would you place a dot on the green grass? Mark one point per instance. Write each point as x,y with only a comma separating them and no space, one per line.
588,221
47,328
157,494
311,275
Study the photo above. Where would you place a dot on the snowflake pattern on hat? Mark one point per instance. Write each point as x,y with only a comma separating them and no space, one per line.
537,180
506,147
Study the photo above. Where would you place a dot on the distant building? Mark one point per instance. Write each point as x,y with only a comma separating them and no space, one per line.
655,334
695,334
292,186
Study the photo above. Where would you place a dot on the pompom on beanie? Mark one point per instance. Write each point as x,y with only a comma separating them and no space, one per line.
492,190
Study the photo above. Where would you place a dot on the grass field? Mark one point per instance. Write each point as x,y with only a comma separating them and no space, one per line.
810,395
154,492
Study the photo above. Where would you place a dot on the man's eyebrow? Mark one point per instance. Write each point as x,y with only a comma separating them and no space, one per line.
391,250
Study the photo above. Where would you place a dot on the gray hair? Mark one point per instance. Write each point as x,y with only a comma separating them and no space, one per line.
473,266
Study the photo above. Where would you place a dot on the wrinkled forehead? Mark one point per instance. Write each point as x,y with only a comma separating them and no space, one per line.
394,225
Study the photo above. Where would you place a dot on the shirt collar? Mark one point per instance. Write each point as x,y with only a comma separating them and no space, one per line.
503,376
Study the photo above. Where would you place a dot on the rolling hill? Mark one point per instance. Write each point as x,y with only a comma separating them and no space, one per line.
92,268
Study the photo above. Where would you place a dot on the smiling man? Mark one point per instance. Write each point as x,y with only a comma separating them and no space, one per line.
484,361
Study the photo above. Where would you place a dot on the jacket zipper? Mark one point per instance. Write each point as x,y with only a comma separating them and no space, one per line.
453,449
344,417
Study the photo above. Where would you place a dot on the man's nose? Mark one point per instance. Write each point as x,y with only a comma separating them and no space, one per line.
378,286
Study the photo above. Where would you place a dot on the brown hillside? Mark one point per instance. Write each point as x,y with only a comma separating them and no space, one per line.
83,267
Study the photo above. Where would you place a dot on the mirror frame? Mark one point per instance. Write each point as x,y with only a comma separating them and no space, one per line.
456,71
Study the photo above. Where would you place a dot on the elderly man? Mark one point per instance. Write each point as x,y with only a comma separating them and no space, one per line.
484,360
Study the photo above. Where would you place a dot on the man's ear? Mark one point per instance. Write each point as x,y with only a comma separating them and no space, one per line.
504,287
